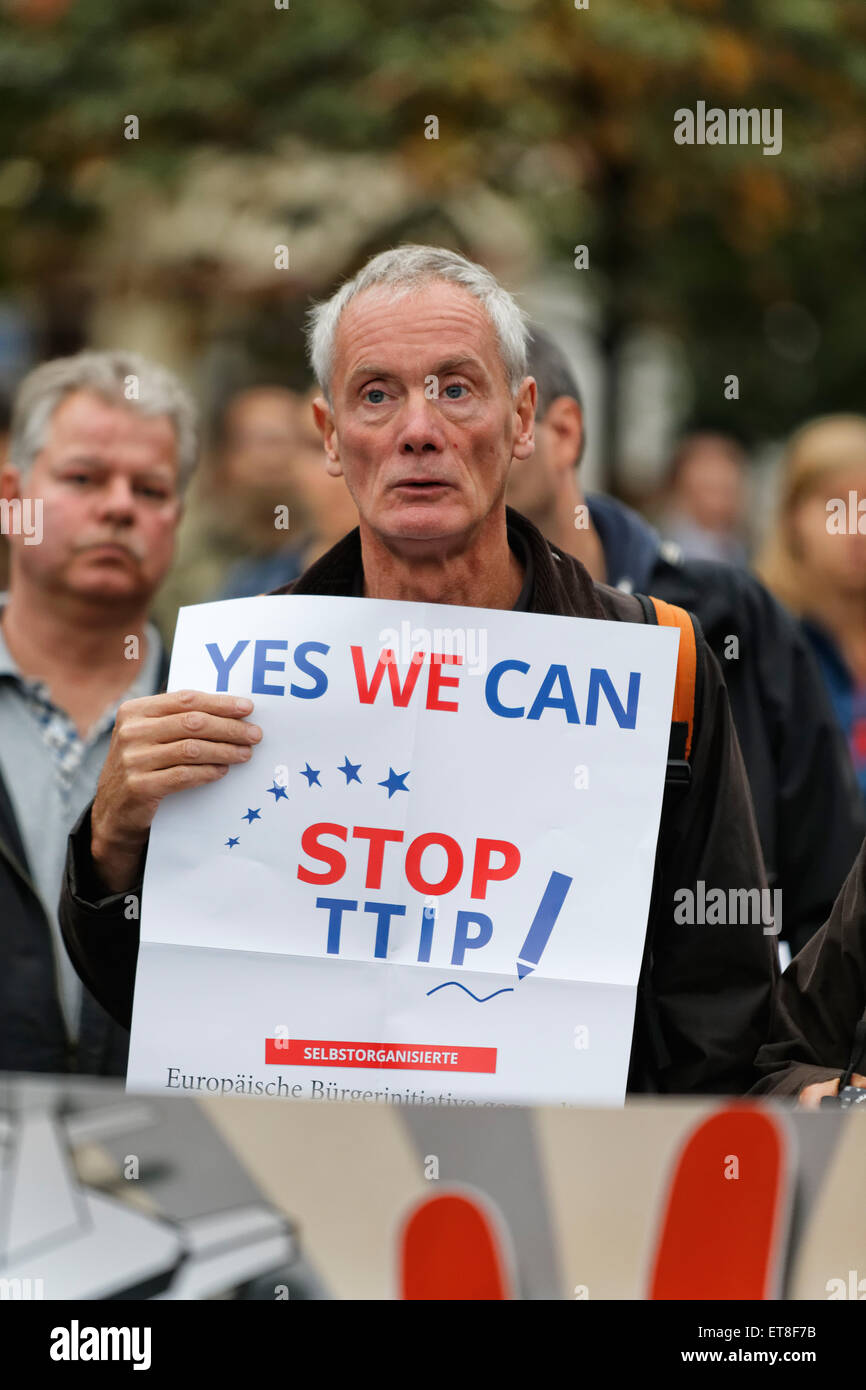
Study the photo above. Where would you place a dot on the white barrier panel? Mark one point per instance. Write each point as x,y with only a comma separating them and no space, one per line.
183,1198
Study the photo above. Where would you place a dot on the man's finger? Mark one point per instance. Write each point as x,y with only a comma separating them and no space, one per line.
176,701
190,752
155,785
192,724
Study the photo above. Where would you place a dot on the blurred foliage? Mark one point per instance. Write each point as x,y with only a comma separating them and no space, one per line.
569,111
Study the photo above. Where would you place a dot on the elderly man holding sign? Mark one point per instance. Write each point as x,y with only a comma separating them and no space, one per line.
425,403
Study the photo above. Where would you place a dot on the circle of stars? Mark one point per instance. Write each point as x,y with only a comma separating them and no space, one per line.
394,782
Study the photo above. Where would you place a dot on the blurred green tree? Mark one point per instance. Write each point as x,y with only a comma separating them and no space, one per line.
755,260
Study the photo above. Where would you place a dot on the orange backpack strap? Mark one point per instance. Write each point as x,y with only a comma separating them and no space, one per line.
667,615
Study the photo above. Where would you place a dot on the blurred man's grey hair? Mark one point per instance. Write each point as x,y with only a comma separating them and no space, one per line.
408,268
117,377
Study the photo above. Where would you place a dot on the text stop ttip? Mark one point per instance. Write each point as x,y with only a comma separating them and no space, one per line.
492,861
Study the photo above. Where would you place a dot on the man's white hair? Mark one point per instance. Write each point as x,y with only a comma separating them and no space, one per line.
408,268
120,378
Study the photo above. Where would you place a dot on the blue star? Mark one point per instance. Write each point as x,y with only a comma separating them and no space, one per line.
350,771
278,791
311,776
395,782
231,843
252,815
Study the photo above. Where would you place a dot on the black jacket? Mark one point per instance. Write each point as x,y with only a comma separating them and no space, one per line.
33,1033
808,806
818,1027
704,999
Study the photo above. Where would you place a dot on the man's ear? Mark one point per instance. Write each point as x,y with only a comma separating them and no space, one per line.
325,424
524,409
564,419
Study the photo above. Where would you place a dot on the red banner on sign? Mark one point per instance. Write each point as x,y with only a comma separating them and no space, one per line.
308,1052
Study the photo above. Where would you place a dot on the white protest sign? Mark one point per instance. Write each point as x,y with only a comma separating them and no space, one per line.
430,883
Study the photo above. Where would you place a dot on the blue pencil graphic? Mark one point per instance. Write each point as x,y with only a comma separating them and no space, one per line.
543,923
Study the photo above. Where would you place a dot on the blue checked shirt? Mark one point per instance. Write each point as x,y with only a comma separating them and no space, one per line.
51,773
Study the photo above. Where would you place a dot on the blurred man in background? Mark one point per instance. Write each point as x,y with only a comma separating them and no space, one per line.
246,506
706,500
806,802
326,513
101,447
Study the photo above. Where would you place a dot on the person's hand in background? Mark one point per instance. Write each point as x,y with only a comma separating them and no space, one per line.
811,1096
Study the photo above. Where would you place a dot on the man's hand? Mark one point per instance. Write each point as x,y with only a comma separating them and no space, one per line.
810,1097
160,744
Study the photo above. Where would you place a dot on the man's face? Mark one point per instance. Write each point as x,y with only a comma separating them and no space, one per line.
534,483
107,482
261,438
711,488
423,425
